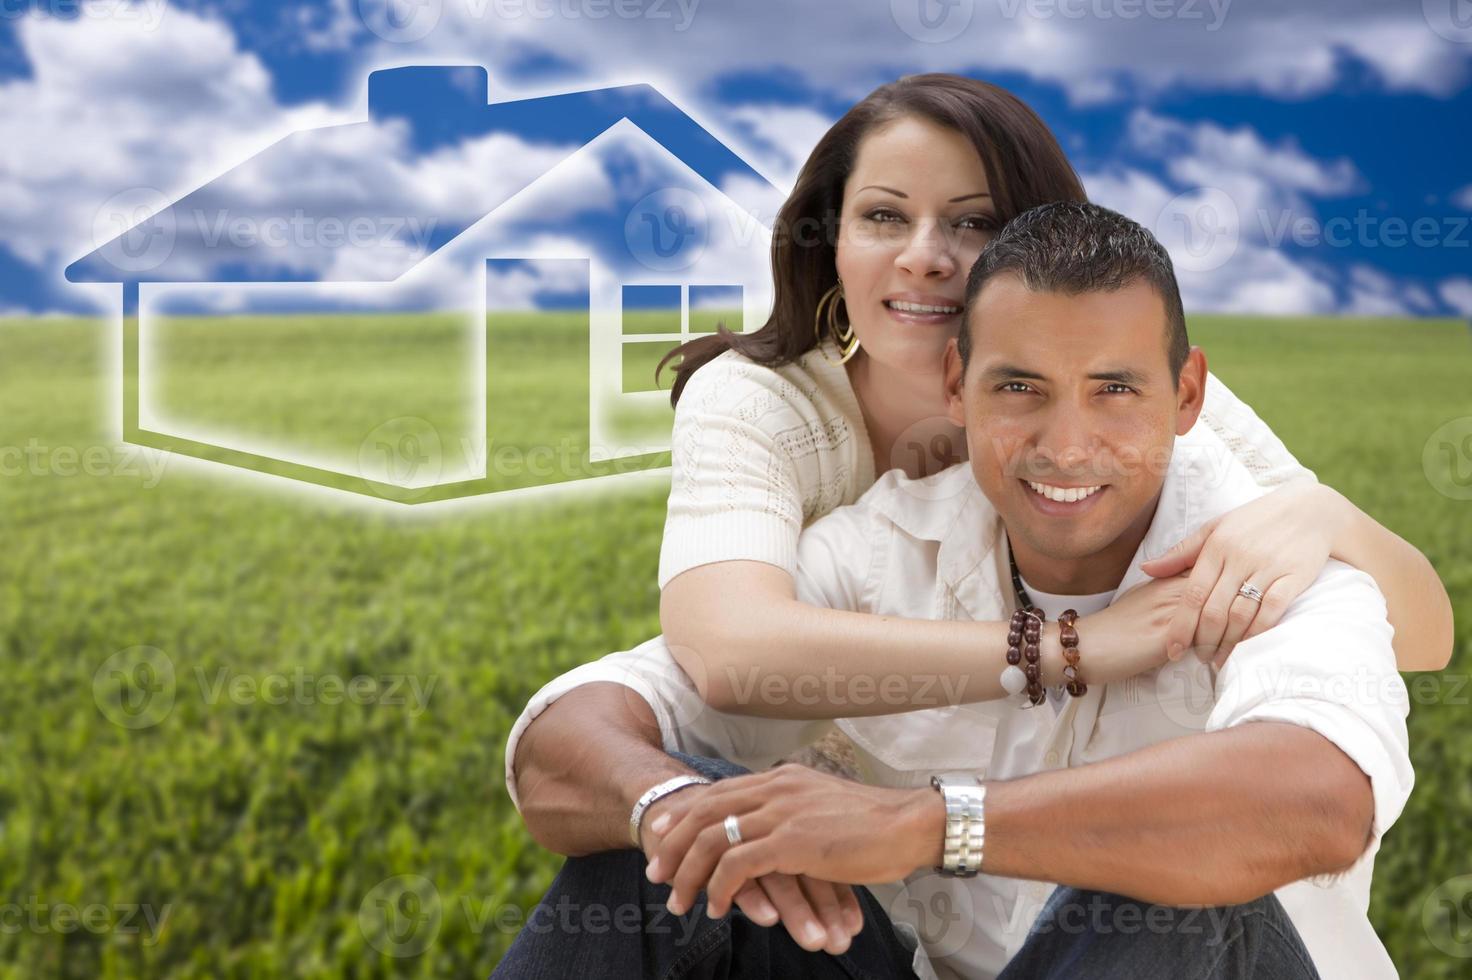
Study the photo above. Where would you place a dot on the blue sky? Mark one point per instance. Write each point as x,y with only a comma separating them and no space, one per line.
1305,159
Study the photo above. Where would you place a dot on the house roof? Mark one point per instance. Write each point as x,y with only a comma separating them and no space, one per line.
194,239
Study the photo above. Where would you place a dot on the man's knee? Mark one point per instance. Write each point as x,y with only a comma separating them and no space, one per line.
1104,929
711,767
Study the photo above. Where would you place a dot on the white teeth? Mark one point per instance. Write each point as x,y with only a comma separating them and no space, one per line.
897,304
1064,495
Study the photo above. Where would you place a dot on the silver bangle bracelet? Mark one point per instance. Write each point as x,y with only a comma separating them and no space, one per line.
655,793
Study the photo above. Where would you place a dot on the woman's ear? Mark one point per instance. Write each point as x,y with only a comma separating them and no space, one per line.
955,382
1191,391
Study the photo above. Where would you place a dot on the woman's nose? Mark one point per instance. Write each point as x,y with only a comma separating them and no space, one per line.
929,252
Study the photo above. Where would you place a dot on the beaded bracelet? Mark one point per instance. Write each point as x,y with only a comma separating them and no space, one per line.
1069,635
1024,635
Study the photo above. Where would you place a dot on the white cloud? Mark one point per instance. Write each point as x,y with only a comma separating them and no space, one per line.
1373,293
112,108
1457,293
1288,50
1258,176
784,136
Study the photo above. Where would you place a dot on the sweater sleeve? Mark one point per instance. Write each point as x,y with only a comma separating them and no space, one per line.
1249,438
750,452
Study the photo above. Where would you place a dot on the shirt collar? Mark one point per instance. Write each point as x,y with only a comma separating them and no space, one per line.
1203,479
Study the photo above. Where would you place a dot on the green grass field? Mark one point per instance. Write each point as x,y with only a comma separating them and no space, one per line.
260,816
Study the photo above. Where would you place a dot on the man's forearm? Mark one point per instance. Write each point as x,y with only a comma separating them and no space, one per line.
1211,819
583,762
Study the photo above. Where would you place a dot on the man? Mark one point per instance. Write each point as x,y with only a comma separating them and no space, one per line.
1260,791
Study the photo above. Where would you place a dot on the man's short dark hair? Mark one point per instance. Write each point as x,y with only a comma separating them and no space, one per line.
1074,247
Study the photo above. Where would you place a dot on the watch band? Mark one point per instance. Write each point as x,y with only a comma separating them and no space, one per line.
654,793
965,801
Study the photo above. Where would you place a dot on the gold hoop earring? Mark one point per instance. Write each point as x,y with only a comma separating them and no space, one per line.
848,341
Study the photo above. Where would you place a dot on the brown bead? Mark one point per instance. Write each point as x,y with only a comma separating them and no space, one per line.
1033,671
1070,654
1069,636
1032,654
1014,656
1069,617
1014,637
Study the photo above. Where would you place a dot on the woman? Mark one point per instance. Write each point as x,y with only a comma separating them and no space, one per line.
777,427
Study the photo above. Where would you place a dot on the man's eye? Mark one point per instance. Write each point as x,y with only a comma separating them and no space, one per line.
1016,386
1115,388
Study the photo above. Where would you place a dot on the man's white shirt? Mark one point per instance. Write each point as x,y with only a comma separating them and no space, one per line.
935,549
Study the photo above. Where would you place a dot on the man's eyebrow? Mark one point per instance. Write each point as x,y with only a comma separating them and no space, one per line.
1124,376
891,190
1011,372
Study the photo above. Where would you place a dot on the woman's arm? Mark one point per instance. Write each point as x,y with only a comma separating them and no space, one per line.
751,647
1279,543
1416,600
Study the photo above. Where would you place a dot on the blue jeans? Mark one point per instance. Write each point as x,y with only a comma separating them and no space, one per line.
603,918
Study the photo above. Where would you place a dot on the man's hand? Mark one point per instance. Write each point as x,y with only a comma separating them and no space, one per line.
817,914
793,821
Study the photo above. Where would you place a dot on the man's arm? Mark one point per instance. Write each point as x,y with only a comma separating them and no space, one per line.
579,770
1304,765
1218,818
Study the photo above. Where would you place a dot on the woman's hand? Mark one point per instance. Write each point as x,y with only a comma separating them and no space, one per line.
1129,636
1279,543
817,914
793,821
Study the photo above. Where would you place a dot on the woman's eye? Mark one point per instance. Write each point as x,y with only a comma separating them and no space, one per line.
977,224
883,216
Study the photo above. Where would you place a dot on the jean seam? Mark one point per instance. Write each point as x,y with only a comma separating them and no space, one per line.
698,950
1269,923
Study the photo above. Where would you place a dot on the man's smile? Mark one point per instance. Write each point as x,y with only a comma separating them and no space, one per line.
1062,501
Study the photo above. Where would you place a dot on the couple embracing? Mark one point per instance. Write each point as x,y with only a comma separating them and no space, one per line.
1083,673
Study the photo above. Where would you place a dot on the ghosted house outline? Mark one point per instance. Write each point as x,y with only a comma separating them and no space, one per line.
438,104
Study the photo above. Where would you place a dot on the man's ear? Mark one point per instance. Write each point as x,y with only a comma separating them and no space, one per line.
1191,391
955,381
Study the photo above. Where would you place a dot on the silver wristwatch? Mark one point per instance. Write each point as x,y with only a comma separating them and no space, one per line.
965,799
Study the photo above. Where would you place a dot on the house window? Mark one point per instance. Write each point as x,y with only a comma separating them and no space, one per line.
657,319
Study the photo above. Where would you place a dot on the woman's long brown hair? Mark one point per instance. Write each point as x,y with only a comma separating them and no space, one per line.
1024,164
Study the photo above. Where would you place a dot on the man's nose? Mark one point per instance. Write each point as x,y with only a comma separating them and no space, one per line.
1067,443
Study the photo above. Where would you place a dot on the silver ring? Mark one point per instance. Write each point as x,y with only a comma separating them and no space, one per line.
733,830
1250,591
